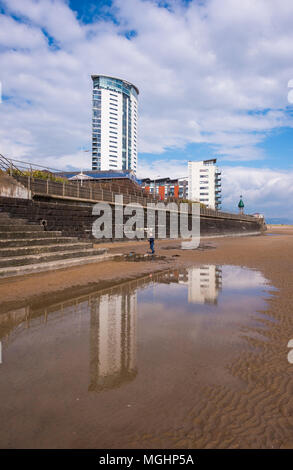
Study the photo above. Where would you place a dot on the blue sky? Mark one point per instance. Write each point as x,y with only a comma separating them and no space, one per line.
213,78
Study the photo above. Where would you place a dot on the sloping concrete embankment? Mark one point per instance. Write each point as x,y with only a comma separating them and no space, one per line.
68,208
75,218
10,187
26,248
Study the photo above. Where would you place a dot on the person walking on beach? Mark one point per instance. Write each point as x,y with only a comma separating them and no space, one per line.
151,241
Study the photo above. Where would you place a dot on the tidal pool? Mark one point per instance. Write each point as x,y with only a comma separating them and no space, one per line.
128,366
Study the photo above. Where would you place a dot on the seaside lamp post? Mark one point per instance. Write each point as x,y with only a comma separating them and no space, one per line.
241,206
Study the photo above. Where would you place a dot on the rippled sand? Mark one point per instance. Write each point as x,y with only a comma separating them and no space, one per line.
256,412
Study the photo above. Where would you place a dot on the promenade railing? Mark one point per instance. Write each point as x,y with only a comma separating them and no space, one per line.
89,190
89,193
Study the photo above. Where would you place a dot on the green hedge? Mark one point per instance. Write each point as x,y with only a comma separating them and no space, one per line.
37,174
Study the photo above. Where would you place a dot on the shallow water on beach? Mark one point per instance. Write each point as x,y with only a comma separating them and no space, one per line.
274,234
129,366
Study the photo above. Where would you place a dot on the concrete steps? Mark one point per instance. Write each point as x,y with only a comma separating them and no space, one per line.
28,248
74,220
37,249
54,265
42,257
8,221
23,242
28,234
24,227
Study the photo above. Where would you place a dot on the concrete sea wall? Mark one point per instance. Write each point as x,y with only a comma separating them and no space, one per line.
10,187
75,218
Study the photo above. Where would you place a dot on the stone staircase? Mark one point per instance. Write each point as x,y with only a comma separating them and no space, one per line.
26,247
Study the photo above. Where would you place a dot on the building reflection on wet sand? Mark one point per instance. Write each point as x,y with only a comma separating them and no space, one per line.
204,283
112,340
113,321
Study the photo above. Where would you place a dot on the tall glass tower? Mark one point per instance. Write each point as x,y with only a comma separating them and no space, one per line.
114,124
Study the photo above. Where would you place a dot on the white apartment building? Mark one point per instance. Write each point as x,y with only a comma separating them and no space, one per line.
204,183
114,124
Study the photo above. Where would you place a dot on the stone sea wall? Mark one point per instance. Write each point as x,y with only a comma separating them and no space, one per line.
75,218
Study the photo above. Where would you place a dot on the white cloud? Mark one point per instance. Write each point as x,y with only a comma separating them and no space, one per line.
264,190
199,69
163,168
53,15
205,71
16,35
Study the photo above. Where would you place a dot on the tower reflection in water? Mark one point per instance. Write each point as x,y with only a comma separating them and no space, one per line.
113,329
113,320
112,340
204,284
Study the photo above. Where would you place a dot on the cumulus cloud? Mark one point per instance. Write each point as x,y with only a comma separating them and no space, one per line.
208,72
265,190
162,168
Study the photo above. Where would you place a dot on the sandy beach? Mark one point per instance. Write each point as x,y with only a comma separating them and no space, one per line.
258,413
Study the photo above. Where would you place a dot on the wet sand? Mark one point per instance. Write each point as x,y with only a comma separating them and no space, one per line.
257,414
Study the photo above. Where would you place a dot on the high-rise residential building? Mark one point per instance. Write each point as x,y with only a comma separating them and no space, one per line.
114,124
204,183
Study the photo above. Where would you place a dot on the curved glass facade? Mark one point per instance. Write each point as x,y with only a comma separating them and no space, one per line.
115,84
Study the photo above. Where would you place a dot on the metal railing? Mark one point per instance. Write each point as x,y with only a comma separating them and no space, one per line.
7,165
74,190
88,192
11,166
